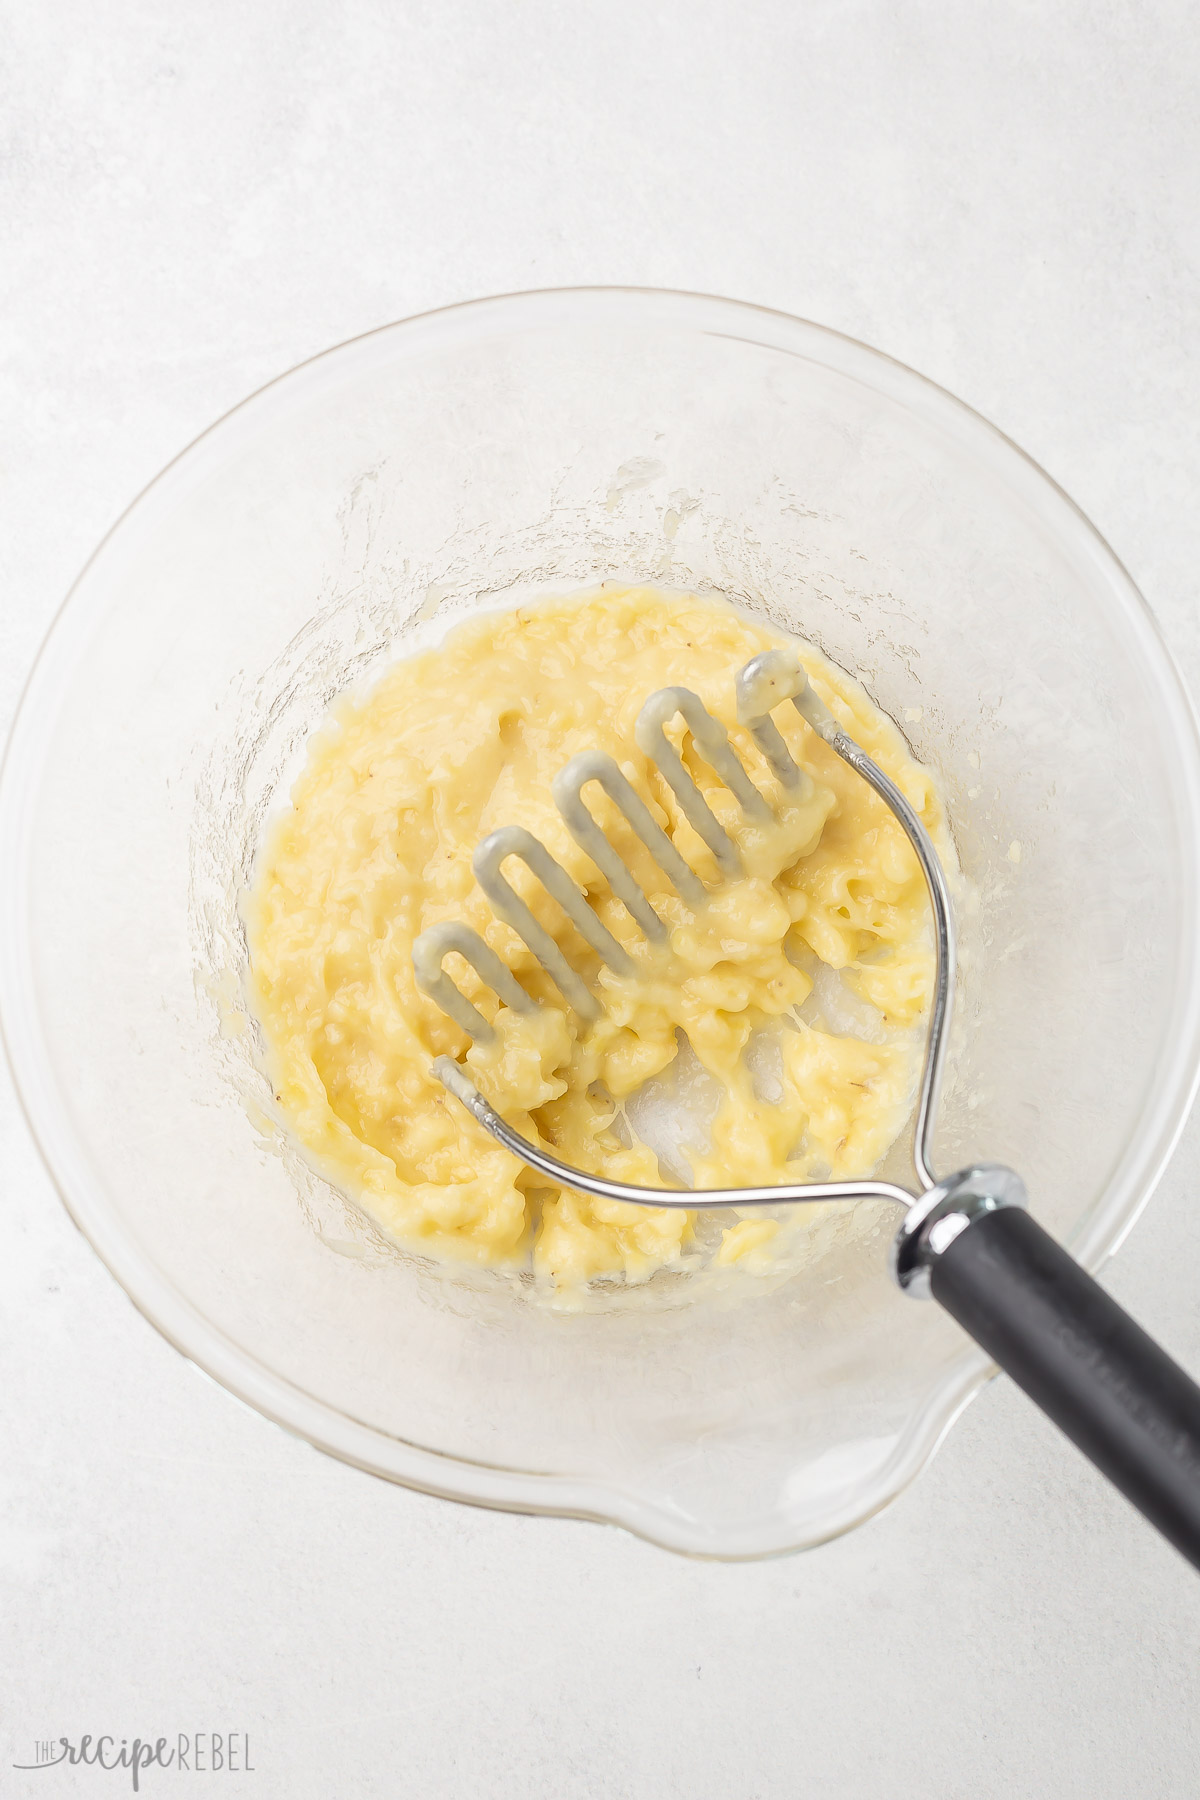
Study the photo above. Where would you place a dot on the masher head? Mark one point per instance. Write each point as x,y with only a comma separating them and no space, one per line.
768,681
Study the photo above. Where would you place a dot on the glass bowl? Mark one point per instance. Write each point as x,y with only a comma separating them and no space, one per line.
355,508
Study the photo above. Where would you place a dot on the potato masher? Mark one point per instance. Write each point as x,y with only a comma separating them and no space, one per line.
967,1239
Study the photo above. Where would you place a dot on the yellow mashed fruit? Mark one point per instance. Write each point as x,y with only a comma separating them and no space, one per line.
400,786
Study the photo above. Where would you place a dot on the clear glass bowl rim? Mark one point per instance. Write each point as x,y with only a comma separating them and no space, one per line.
29,1054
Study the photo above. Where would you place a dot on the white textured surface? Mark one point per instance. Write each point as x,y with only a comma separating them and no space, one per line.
195,198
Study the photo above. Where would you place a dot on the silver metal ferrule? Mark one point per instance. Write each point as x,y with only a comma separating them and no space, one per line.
932,1223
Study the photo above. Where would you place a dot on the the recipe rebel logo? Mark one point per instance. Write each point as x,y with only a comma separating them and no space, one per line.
204,1753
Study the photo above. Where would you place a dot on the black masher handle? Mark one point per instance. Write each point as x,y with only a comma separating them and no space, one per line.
1090,1368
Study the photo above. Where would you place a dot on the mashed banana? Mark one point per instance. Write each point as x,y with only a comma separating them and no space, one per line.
399,788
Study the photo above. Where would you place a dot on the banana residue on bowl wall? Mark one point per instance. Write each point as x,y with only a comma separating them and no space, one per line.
778,1039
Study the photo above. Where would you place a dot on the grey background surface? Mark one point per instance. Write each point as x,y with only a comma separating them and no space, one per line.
194,199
